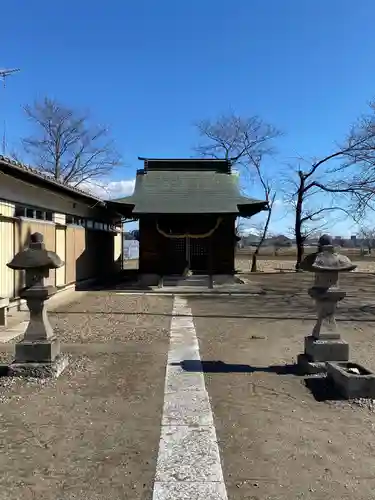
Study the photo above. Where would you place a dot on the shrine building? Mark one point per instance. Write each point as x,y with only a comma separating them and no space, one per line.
187,210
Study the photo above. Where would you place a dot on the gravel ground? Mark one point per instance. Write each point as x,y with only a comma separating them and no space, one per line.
127,318
279,439
94,432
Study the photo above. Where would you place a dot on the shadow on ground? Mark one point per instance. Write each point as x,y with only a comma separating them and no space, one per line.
191,365
126,280
323,389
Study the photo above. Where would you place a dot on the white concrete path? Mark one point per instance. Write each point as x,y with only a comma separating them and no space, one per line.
188,466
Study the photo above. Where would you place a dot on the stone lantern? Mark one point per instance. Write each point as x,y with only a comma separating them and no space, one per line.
38,354
325,343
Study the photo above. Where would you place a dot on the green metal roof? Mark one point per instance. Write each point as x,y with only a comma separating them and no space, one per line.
188,192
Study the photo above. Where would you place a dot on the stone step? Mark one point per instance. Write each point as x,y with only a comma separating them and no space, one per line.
187,281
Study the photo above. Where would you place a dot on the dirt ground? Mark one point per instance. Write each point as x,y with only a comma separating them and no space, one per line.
272,264
280,439
94,433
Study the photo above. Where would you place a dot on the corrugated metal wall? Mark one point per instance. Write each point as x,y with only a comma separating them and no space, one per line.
70,258
83,250
61,252
77,258
6,255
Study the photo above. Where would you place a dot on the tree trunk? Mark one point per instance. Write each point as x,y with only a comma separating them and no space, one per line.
254,262
298,224
263,237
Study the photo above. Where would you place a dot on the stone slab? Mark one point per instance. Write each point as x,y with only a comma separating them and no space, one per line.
188,454
187,408
352,385
41,351
179,380
327,336
307,367
39,370
189,491
326,350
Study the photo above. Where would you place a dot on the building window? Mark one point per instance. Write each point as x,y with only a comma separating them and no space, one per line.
76,221
30,213
33,213
20,211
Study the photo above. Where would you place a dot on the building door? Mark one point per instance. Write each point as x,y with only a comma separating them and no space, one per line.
199,255
61,252
175,259
6,255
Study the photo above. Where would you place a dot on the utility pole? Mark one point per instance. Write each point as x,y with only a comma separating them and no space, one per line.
3,74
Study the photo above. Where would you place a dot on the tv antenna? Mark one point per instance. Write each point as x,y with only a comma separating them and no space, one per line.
4,73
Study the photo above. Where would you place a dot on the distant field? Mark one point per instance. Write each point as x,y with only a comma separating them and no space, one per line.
291,252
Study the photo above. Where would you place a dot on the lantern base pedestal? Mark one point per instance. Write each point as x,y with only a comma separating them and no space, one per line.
37,351
52,369
319,351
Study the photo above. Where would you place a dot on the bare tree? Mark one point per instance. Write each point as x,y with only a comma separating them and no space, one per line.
311,217
245,142
66,146
270,197
367,234
347,175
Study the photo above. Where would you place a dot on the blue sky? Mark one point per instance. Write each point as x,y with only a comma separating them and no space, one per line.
150,69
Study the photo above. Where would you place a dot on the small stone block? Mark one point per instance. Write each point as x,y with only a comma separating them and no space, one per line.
327,336
39,351
39,370
307,367
352,385
326,350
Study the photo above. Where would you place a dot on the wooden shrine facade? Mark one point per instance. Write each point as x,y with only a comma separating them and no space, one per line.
174,244
187,211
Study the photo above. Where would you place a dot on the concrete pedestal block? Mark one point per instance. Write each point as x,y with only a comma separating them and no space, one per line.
39,370
352,385
37,351
318,350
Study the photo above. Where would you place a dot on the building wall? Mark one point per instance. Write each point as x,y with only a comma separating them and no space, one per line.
17,191
84,237
223,243
7,245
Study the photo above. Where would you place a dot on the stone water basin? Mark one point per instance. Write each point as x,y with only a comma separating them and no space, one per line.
352,380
